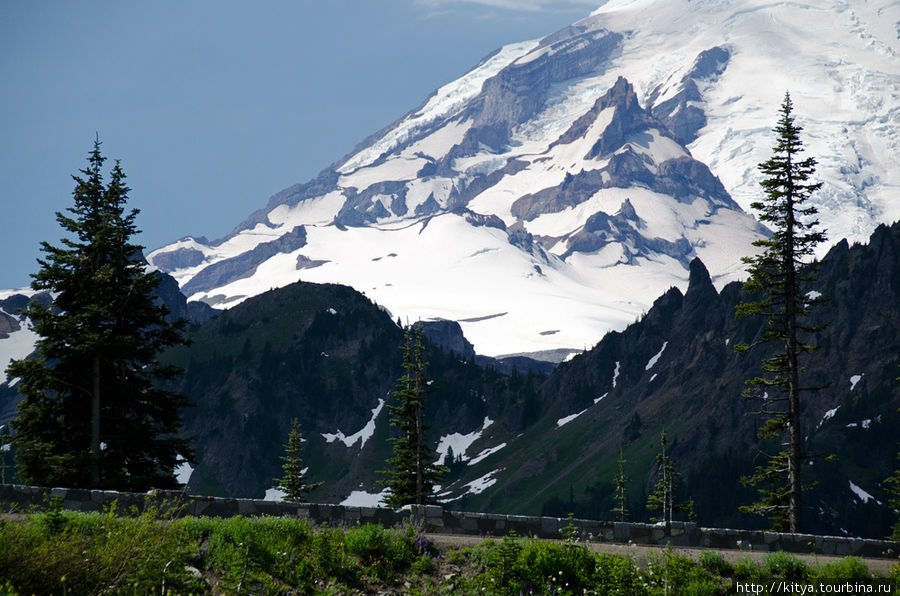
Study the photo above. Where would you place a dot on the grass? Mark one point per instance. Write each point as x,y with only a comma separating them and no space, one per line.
104,553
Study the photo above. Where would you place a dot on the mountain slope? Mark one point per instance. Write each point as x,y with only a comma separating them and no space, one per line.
330,357
676,370
543,173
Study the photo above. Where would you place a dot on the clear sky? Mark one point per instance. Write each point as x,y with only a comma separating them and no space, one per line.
213,106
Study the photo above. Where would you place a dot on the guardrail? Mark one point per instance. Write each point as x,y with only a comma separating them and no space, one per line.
439,520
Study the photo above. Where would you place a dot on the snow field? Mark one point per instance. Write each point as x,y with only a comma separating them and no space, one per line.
17,346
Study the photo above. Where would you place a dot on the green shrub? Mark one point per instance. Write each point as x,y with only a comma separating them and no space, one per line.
423,565
846,568
671,573
567,567
458,556
786,565
747,569
617,575
384,553
715,562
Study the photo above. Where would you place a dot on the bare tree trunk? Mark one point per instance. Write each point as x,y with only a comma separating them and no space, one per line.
791,314
95,424
420,489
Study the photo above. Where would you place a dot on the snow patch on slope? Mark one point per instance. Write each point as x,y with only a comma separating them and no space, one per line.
361,435
652,362
861,494
183,472
486,453
479,485
361,498
459,443
17,346
567,419
828,415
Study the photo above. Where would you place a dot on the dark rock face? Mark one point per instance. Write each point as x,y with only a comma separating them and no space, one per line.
624,227
16,302
168,293
448,336
679,113
7,325
478,220
630,118
176,259
362,208
244,265
683,178
519,90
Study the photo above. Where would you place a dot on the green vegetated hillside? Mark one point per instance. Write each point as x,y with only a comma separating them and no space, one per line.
327,355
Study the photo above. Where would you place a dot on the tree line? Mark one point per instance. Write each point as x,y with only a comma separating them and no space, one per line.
94,413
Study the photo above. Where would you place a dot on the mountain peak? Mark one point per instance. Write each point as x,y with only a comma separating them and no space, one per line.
620,95
565,169
700,286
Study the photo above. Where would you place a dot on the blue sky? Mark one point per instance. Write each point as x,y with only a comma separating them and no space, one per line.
214,106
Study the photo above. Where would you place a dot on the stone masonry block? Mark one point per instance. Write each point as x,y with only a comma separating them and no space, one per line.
550,526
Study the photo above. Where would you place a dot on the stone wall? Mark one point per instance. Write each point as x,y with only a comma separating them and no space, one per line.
439,520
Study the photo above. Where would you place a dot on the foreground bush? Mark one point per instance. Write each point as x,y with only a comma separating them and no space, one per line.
91,553
80,553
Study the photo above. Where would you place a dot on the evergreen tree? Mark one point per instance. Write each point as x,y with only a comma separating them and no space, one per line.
776,278
893,487
621,510
93,414
294,482
662,498
412,472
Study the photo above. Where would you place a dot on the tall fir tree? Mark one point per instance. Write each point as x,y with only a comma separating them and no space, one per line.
93,414
662,498
779,280
411,473
294,483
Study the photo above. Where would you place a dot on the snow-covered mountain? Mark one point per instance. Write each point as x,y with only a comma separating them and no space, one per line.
17,339
552,192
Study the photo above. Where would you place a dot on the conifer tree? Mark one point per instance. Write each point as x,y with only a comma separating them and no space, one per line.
893,487
662,498
621,510
778,281
93,414
412,472
294,482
